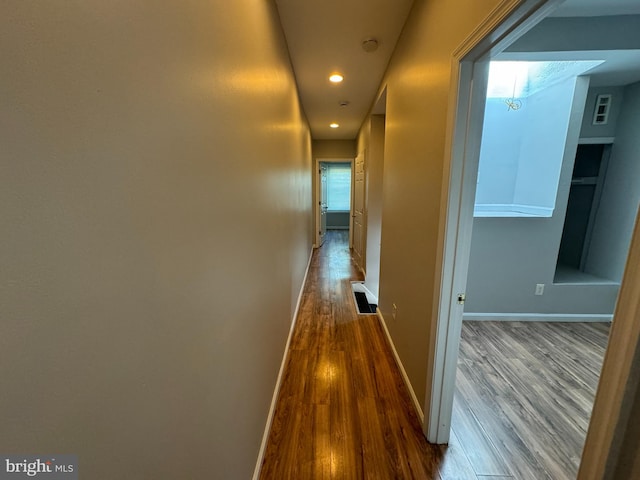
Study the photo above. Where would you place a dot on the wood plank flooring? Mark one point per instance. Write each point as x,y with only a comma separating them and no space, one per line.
524,394
344,412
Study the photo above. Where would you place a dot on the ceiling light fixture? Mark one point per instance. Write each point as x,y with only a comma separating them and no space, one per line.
336,78
334,125
344,103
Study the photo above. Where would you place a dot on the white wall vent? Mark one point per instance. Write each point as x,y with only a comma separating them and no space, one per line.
601,112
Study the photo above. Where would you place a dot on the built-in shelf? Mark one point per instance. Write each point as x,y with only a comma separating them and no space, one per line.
511,211
595,140
566,275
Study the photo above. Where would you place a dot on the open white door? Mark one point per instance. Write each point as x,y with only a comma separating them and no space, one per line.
358,214
457,252
322,204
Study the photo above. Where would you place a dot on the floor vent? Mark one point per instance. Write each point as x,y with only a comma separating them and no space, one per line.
362,301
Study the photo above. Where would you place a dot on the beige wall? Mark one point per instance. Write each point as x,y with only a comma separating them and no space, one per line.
156,219
334,149
418,91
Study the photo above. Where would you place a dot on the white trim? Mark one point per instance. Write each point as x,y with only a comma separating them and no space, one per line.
538,317
505,24
510,210
595,140
405,377
276,391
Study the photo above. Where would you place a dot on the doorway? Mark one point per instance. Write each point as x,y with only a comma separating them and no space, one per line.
334,206
466,140
587,182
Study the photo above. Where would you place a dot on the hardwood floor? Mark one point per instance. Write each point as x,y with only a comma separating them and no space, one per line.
344,412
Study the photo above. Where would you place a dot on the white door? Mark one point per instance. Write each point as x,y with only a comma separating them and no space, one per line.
322,205
358,212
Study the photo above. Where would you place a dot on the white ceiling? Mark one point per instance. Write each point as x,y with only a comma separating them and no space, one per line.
325,36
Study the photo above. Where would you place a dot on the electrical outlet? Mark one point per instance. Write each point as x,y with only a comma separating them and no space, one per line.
539,288
394,311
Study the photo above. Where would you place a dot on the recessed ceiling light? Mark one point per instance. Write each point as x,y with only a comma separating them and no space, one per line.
336,78
334,125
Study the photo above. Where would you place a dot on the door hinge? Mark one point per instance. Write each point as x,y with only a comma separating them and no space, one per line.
461,298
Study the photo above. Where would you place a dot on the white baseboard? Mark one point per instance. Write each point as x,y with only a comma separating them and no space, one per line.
276,391
538,317
405,377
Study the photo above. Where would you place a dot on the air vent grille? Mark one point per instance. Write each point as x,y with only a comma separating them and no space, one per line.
601,112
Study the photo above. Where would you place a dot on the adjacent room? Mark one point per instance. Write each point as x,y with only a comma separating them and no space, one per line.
556,197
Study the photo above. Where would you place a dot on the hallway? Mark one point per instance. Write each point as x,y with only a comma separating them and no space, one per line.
343,411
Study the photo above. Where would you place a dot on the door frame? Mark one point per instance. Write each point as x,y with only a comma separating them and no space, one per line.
322,190
469,74
362,264
316,195
616,400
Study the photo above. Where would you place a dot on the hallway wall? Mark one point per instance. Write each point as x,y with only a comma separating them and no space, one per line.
418,101
157,222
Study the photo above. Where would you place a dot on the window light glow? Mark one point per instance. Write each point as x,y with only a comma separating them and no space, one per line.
521,79
338,194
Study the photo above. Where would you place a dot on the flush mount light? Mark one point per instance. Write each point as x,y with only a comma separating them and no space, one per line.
336,78
344,103
334,125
